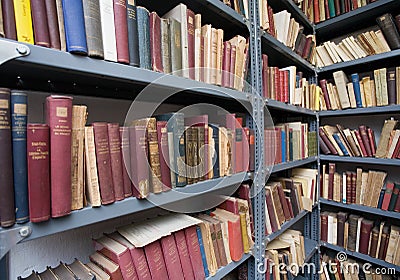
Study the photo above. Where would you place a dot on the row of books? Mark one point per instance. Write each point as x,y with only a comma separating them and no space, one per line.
358,234
285,198
337,140
375,40
289,142
57,167
240,6
321,10
380,88
120,31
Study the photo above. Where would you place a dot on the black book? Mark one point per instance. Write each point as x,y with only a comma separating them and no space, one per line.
133,41
386,24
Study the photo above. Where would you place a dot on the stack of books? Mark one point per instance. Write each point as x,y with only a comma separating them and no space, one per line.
240,6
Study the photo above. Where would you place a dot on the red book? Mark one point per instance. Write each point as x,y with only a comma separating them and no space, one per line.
306,48
183,253
155,260
324,226
355,4
324,89
271,211
271,21
365,234
361,143
246,149
52,21
117,253
371,138
365,140
278,144
190,30
289,203
202,59
282,85
162,135
230,123
231,205
332,169
155,42
125,160
349,191
387,195
38,149
226,64
316,11
327,142
232,66
103,160
397,206
121,30
194,253
59,119
40,26
116,160
137,255
239,139
171,257
277,85
286,86
265,78
108,266
396,150
282,199
327,15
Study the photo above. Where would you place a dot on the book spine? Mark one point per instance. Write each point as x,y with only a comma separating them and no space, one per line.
323,84
162,137
183,254
366,227
38,152
61,29
365,140
121,30
355,79
324,227
391,86
108,30
114,141
91,11
328,143
190,40
133,40
125,160
155,260
203,252
39,20
226,64
340,143
154,156
195,254
18,127
386,24
371,139
52,21
74,26
59,119
361,143
394,197
143,23
92,180
172,258
155,42
23,21
8,14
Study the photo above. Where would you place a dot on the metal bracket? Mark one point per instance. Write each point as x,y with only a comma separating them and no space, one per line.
11,237
10,50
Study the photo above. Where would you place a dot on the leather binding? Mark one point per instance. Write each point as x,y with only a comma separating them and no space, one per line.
316,11
155,260
61,29
332,168
351,242
374,241
215,159
40,25
74,26
114,141
125,160
365,140
154,155
271,211
328,143
38,151
59,119
175,46
371,138
366,227
361,143
143,23
91,11
324,226
353,187
190,40
271,29
183,253
133,41
349,193
18,127
108,30
121,30
397,206
391,85
155,42
165,46
10,31
387,195
92,189
172,258
283,202
323,85
162,139
23,21
324,148
52,21
191,150
226,64
265,77
384,242
386,24
195,255
337,7
394,197
103,160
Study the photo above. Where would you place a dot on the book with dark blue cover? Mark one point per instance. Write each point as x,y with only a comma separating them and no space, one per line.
381,195
18,128
340,143
356,87
143,24
283,144
215,158
74,25
203,252
133,40
290,145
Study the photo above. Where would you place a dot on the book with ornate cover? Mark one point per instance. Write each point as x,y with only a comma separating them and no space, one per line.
40,25
133,40
154,155
94,39
114,141
52,21
108,30
351,242
165,45
155,42
74,25
23,21
126,160
121,31
175,46
8,14
92,189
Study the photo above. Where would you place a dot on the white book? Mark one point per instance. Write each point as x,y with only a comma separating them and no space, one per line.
385,96
334,230
344,189
330,229
108,30
292,82
197,47
394,142
358,233
267,220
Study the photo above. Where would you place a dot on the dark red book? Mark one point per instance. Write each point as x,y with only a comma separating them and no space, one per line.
121,30
40,25
246,149
316,11
59,119
327,142
341,221
232,66
387,195
183,253
365,139
103,160
277,88
155,42
10,30
327,14
125,160
271,211
355,4
162,135
353,187
271,21
361,143
107,265
52,21
289,203
365,234
226,64
371,138
397,205
396,150
349,193
282,199
194,253
171,257
282,84
239,139
252,150
324,226
190,30
323,85
265,78
38,151
331,172
155,260
286,86
114,141
306,48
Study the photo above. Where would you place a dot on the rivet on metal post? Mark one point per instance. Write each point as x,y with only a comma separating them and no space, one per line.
22,49
11,50
25,231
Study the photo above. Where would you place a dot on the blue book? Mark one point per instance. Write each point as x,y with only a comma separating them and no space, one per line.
203,252
74,25
143,23
283,144
18,128
215,159
340,143
356,87
290,145
381,195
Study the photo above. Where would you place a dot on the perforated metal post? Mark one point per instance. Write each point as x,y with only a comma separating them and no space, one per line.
4,268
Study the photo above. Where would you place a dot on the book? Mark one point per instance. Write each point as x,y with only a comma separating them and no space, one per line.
162,139
80,270
93,28
23,21
154,155
183,253
114,142
92,189
108,30
74,26
8,15
155,42
110,267
126,160
143,23
63,272
171,257
388,28
133,40
196,259
121,30
155,260
39,22
97,271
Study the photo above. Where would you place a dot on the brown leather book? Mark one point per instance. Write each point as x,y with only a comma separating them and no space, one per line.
324,148
391,86
371,138
121,31
353,187
271,210
386,24
154,156
374,241
323,84
114,141
190,29
316,11
332,168
10,32
277,204
155,42
384,242
52,21
349,193
328,143
282,199
341,220
353,222
91,11
397,21
365,234
337,7
40,25
324,226
365,139
126,160
226,64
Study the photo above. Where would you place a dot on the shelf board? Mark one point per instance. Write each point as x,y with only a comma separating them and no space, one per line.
88,216
292,164
295,11
361,111
273,104
223,271
395,54
361,160
361,208
360,256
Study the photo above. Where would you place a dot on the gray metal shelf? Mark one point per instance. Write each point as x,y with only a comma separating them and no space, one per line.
310,247
360,256
361,208
361,160
277,105
223,271
361,111
293,164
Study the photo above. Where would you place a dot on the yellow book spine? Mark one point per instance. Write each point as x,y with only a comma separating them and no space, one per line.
318,94
23,21
243,225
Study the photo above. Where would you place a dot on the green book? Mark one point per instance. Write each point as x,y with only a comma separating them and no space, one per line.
332,11
394,196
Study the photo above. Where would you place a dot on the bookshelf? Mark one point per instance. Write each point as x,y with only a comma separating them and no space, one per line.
230,267
293,164
361,160
391,109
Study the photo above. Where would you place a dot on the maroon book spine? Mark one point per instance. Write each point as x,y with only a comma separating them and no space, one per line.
365,140
328,143
396,150
325,94
282,85
171,257
371,138
246,149
121,31
226,64
271,211
10,30
327,15
286,86
353,187
316,11
162,135
397,205
324,226
271,21
59,119
349,190
282,199
103,160
266,93
360,141
155,42
38,148
194,252
52,21
332,168
40,25
116,160
125,160
277,84
7,206
190,30
155,260
232,67
183,253
366,227
306,48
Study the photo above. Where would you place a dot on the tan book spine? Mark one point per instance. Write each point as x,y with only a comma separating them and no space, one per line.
332,53
206,33
220,53
346,50
384,139
352,97
341,82
362,93
213,68
197,46
378,90
358,185
367,91
351,49
377,42
393,239
154,155
373,93
383,80
92,181
371,42
364,183
357,47
61,30
362,38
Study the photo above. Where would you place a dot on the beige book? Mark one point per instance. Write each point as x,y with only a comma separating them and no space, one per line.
373,93
103,262
264,14
368,191
197,46
378,88
362,38
398,84
350,48
357,47
343,47
220,54
371,42
337,179
358,185
332,97
206,33
61,30
384,139
393,240
214,43
322,100
352,97
356,141
240,43
361,46
340,52
332,53
324,55
321,7
393,144
377,185
97,271
341,82
268,226
289,32
346,234
244,208
358,233
92,181
364,183
319,62
295,33
383,80
377,42
334,49
362,93
379,238
326,184
382,40
209,249
367,91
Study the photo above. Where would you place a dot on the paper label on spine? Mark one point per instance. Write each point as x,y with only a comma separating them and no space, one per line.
20,109
3,104
62,112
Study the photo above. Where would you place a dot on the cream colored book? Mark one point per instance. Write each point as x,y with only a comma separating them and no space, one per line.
206,33
383,80
366,83
364,183
382,40
385,137
358,185
324,55
352,97
296,28
378,88
373,93
289,33
341,82
343,56
362,93
347,50
264,14
357,47
220,53
351,48
331,93
371,43
213,68
332,53
377,41
197,46
92,180
108,30
393,240
240,43
362,38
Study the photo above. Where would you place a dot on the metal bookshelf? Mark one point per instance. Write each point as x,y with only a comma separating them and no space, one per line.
361,111
277,105
361,160
223,271
293,164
